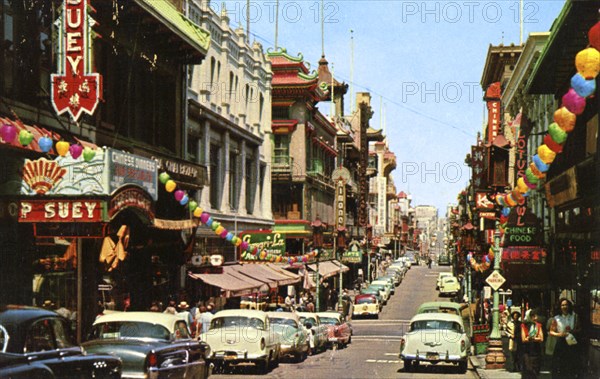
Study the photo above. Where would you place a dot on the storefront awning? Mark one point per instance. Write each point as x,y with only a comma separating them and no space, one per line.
232,282
328,268
265,273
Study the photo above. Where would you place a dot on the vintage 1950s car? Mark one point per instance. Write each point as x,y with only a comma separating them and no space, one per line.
318,331
293,335
441,307
339,332
35,343
435,338
242,335
366,305
449,286
150,344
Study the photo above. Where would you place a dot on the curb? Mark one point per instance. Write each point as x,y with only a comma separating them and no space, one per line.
479,371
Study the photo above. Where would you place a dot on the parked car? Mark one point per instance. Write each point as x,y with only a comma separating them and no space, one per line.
441,307
388,283
396,274
294,337
439,278
318,331
435,338
366,305
444,260
383,289
339,332
150,344
242,335
35,343
375,292
449,286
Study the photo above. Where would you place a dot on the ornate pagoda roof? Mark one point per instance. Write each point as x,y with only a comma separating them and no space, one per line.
325,79
292,79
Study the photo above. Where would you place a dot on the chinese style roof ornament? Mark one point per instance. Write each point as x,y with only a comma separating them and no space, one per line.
75,89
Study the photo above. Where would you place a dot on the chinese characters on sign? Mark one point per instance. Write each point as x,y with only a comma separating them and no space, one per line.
125,168
492,97
74,88
524,254
478,167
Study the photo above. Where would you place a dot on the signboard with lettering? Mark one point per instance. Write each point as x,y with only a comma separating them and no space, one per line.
340,204
125,168
131,197
495,280
184,172
478,167
74,88
62,211
524,254
381,205
492,97
523,228
353,254
482,201
271,242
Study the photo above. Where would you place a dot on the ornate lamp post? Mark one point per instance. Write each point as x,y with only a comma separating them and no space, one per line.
495,358
340,240
318,227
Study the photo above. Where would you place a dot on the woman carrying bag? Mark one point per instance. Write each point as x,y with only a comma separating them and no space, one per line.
564,327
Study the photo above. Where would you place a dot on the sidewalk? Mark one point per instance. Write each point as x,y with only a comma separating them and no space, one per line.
478,363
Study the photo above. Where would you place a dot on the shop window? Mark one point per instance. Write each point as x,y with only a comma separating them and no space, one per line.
250,184
215,176
233,180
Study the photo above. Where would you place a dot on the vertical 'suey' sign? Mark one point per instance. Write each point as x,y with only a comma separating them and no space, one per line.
75,88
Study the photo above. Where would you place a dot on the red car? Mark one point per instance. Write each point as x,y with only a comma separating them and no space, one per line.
339,332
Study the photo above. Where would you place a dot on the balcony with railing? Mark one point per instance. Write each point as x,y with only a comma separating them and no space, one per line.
282,165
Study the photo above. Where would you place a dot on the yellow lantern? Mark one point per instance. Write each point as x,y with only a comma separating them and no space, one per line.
521,186
219,230
198,212
62,148
565,119
587,62
170,186
546,155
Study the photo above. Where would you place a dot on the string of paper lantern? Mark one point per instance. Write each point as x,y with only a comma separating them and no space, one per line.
248,252
583,85
8,133
485,263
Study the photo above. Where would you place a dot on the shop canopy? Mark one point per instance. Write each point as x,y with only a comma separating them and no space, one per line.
240,280
328,268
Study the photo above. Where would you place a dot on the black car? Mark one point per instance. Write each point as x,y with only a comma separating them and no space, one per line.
35,343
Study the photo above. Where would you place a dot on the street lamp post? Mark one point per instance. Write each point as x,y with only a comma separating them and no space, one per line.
495,357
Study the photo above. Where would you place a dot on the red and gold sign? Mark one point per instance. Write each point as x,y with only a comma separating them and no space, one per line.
492,97
61,211
524,254
75,89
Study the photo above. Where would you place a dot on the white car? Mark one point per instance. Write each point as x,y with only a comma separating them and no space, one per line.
450,286
242,335
441,275
293,335
318,331
435,338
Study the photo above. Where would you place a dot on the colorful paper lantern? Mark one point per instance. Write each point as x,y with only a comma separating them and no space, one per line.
184,200
197,212
500,200
179,195
521,186
529,184
62,148
573,102
558,134
518,196
263,254
170,185
531,178
539,164
45,144
594,36
587,62
209,222
192,205
546,155
25,137
565,119
75,150
244,245
238,241
536,172
8,133
215,225
229,236
278,259
223,233
164,177
582,86
88,154
510,201
204,217
552,145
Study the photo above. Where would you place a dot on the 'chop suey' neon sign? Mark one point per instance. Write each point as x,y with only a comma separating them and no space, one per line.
74,88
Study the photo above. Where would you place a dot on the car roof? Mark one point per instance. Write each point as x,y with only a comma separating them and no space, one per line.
242,312
20,314
437,316
445,273
165,319
441,304
329,314
364,295
306,314
288,315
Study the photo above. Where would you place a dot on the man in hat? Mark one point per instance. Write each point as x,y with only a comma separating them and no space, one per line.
48,304
183,309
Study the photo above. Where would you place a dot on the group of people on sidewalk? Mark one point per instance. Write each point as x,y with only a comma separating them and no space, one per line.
527,336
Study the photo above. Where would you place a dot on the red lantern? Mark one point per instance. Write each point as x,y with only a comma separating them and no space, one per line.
594,36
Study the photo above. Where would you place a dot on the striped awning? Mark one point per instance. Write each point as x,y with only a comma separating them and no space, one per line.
328,268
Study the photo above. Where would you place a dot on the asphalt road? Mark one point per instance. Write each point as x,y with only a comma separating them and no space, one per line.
373,352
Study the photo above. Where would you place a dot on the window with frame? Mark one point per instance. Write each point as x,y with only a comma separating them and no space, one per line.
215,177
281,149
250,184
233,180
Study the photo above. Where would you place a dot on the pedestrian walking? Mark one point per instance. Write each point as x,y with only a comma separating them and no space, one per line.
565,327
532,338
513,329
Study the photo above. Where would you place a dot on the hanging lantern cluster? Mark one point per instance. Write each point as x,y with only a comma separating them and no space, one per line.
485,263
583,85
248,252
8,133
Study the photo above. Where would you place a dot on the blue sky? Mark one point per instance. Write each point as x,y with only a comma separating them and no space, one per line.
422,59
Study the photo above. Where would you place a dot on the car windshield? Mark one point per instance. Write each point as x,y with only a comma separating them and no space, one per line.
441,310
308,320
435,325
46,334
237,321
134,329
284,321
330,321
366,300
